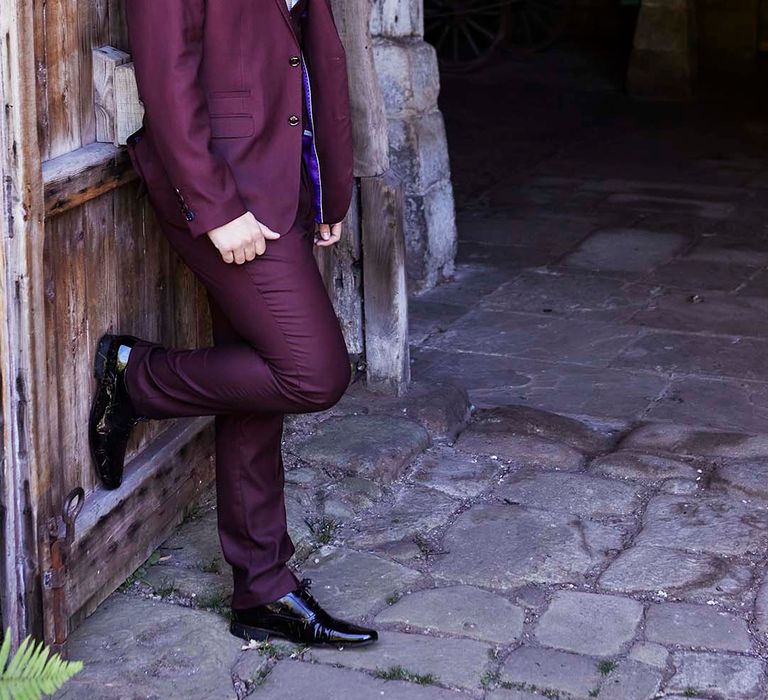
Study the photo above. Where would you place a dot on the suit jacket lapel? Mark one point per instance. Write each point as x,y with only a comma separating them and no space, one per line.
283,6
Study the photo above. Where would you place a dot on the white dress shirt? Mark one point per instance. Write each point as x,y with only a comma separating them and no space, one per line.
291,4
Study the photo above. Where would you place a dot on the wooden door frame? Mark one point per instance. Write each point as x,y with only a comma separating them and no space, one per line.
26,440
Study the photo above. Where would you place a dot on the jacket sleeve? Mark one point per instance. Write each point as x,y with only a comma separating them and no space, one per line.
166,39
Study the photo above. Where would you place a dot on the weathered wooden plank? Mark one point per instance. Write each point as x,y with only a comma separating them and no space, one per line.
369,120
25,435
340,266
68,339
118,29
106,60
384,284
101,294
118,530
129,111
77,177
63,54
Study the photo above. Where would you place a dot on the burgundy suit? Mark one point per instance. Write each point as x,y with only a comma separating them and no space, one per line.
246,109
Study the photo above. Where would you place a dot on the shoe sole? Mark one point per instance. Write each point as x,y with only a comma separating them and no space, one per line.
258,634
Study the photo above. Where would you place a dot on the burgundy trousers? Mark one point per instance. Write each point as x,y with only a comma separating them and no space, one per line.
278,348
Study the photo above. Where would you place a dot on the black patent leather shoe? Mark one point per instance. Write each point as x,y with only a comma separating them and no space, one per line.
297,616
113,416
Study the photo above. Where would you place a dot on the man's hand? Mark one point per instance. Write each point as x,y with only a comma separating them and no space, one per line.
327,234
241,239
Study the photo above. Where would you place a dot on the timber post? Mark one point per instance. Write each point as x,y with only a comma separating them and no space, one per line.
379,214
22,331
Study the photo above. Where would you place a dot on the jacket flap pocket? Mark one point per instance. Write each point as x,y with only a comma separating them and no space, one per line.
232,126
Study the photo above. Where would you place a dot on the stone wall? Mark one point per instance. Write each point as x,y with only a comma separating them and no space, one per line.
410,82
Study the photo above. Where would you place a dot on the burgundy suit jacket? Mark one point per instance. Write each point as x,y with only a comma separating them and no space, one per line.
222,83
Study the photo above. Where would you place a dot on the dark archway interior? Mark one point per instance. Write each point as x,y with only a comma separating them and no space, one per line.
613,252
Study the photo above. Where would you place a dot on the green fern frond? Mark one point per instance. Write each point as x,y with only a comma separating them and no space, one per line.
33,671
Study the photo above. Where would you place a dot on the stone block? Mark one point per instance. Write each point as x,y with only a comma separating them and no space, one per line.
715,525
697,626
355,583
699,577
523,420
570,294
536,338
397,18
687,440
743,478
299,680
416,512
418,151
523,450
430,236
441,407
744,358
505,546
625,250
631,680
578,494
458,663
650,654
644,466
552,671
133,647
374,446
464,611
408,75
454,472
717,675
589,623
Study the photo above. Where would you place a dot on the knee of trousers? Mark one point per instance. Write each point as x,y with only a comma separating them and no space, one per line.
323,386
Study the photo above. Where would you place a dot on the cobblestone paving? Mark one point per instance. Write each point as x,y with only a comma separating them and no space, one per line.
590,520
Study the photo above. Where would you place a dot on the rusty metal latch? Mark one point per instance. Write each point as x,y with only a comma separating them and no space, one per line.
62,534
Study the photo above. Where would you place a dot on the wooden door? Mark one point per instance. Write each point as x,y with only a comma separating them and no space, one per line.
82,255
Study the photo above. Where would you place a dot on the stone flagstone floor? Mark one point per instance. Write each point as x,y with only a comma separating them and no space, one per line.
572,502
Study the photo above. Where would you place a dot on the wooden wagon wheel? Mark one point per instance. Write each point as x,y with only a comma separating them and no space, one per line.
534,24
463,32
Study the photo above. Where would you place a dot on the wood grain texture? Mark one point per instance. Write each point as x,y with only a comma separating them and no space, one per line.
105,60
341,268
384,284
369,120
75,178
118,530
26,464
129,111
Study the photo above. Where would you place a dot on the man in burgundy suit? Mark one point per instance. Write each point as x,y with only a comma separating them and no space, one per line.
245,154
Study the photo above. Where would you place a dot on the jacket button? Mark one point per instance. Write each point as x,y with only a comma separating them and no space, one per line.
294,61
189,215
293,120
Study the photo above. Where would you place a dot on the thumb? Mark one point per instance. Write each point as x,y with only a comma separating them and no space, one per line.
269,233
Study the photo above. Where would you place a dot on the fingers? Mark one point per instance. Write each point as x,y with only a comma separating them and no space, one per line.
269,233
324,231
329,234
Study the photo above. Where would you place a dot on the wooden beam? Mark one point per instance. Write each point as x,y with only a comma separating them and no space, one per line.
340,267
106,59
384,285
75,178
129,111
369,120
25,461
119,529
